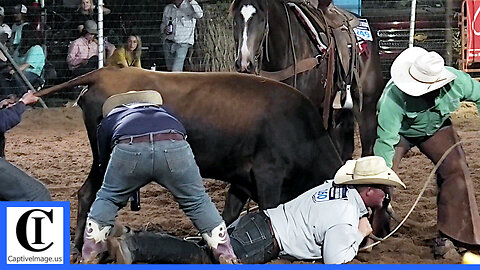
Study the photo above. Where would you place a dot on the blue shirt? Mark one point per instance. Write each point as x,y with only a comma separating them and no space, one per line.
123,122
10,117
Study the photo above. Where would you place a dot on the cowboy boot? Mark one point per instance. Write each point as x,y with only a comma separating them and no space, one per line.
219,241
94,241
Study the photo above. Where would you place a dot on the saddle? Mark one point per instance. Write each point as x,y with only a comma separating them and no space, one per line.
338,24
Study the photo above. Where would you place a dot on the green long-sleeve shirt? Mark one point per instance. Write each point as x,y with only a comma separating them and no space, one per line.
409,116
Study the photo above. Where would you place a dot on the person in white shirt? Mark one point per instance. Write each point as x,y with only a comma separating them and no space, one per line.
178,26
327,222
5,30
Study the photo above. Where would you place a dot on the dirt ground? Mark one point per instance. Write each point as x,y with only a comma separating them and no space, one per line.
52,146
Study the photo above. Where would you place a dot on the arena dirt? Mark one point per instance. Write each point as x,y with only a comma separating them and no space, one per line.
52,146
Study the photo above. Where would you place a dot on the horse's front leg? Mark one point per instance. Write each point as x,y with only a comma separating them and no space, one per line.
342,133
372,84
367,126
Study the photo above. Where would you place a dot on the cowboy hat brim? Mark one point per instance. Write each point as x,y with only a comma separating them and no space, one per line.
400,72
146,96
345,176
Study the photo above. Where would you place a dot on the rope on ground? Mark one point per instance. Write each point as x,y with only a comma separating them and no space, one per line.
430,177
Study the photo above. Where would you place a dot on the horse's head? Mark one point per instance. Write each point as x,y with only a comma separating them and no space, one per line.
250,28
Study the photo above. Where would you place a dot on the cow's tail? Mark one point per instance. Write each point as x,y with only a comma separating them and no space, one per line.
86,79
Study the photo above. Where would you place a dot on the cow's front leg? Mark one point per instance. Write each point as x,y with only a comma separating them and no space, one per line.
237,196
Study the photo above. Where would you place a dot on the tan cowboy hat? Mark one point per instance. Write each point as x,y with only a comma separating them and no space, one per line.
417,71
91,27
146,97
365,171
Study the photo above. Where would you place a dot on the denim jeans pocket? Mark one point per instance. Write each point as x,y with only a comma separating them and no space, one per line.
125,160
249,232
179,159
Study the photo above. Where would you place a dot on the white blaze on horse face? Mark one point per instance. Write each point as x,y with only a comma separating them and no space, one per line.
247,11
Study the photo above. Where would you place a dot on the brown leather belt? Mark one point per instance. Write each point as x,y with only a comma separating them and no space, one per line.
153,138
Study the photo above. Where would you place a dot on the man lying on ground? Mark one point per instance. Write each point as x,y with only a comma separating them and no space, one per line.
327,222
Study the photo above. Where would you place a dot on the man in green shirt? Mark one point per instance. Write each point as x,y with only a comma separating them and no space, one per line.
414,110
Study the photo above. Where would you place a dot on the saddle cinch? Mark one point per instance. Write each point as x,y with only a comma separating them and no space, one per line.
338,24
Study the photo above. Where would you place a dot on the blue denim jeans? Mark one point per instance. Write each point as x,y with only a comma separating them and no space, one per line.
16,185
252,239
169,163
175,54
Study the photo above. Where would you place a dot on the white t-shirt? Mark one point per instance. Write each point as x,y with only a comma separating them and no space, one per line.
320,223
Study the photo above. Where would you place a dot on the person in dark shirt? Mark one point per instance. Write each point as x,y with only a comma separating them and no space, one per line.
16,185
139,141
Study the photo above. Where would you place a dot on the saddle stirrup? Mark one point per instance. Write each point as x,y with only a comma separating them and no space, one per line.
337,102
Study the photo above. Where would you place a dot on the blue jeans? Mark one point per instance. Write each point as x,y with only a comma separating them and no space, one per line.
175,54
252,240
15,185
18,85
169,163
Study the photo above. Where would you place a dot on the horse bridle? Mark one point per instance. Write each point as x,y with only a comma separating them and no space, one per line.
288,72
259,54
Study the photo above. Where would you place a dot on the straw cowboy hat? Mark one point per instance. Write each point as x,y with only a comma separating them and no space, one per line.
145,97
417,71
91,27
365,171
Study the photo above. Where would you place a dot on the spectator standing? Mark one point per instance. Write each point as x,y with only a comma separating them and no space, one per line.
129,54
178,26
86,11
19,13
83,52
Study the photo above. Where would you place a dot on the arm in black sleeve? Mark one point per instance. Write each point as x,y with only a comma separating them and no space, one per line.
10,117
103,140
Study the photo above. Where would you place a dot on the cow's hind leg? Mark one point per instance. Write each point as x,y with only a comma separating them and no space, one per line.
86,196
237,196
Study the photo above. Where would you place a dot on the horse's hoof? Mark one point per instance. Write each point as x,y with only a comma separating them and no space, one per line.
442,247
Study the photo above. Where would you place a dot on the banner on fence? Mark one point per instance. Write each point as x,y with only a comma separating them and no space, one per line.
473,28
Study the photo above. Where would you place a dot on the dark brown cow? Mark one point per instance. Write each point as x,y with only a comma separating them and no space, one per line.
260,135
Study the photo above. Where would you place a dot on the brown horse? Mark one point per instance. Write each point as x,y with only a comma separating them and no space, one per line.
270,37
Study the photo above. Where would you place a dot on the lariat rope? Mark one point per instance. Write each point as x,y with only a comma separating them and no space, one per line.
430,177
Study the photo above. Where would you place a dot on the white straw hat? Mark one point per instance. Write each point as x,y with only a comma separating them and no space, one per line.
370,170
416,71
146,97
